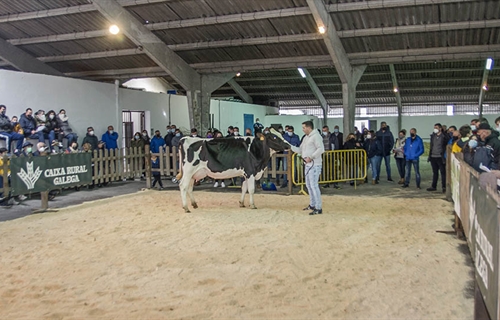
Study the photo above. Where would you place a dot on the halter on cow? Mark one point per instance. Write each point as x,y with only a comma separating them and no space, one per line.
226,158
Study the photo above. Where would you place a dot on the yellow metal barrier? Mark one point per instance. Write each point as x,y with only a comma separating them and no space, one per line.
338,166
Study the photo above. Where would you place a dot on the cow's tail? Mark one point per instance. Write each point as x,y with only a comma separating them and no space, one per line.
179,174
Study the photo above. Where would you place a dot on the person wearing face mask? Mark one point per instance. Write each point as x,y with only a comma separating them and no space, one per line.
110,138
248,132
72,148
490,156
177,138
52,130
293,139
374,153
257,126
28,124
469,149
336,139
16,126
437,152
474,124
266,130
497,124
399,155
90,138
194,133
413,149
157,142
138,142
230,131
65,130
168,137
41,150
6,131
209,134
236,132
384,135
145,137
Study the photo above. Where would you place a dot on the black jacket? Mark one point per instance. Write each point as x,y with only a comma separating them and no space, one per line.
5,124
337,141
28,124
386,140
494,143
51,124
444,144
92,140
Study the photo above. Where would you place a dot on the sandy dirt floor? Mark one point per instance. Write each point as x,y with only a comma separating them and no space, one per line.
141,256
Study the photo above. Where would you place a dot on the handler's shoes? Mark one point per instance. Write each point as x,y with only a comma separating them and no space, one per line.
216,185
309,207
222,185
316,211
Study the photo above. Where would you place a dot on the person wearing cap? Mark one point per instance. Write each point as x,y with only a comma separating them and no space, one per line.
490,139
27,149
6,131
257,126
439,141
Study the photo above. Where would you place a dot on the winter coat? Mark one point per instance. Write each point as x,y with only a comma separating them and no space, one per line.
337,141
28,124
294,140
5,124
51,124
350,144
414,148
442,147
386,141
156,144
41,122
92,140
111,140
63,124
494,143
372,148
138,143
175,141
399,148
168,139
326,141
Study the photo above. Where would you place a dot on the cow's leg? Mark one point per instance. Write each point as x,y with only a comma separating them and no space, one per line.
184,186
251,190
244,188
191,195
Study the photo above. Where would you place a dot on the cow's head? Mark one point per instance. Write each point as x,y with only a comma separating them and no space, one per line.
275,141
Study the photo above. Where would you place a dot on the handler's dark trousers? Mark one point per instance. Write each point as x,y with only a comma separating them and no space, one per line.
438,167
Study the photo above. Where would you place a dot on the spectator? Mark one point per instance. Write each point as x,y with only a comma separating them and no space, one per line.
7,133
110,138
266,130
292,138
374,153
351,144
463,135
72,148
27,150
386,139
138,142
257,127
194,133
168,137
327,167
337,139
280,130
236,132
490,139
90,138
439,141
52,129
359,136
28,124
474,124
497,124
248,132
5,200
399,155
209,134
40,121
469,150
16,126
230,131
413,149
146,138
41,149
65,130
155,164
218,135
157,142
177,138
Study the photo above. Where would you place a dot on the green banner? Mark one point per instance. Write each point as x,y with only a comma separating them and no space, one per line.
45,173
484,239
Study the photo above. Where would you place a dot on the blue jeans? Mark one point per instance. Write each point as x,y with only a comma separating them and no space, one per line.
312,178
387,160
375,164
71,137
51,136
9,136
408,172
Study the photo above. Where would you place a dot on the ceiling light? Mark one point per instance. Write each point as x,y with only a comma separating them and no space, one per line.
322,29
489,64
238,74
485,87
147,21
114,29
396,90
302,73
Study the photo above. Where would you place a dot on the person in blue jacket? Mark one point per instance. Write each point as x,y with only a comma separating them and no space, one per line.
384,135
413,149
110,138
294,140
157,142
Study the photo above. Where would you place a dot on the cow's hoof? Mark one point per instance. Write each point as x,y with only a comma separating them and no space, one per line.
252,206
186,210
242,204
195,206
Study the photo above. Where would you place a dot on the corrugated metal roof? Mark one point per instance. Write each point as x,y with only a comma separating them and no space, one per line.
104,63
21,6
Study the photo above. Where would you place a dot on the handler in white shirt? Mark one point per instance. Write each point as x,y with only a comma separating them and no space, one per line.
311,150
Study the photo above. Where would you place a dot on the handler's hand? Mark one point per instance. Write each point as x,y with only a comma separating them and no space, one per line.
307,159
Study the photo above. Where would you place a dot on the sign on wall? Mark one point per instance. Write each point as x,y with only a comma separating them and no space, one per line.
38,174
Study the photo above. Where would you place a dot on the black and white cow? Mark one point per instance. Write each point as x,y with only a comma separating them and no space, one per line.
225,158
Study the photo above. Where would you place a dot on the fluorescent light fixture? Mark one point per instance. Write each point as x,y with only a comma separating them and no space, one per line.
114,29
396,90
362,112
485,87
322,29
489,64
291,112
449,110
302,73
238,74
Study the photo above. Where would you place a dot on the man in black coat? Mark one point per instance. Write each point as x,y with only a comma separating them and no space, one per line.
437,156
386,139
490,139
6,131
